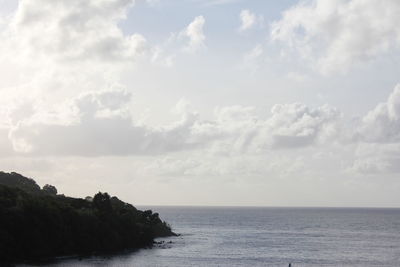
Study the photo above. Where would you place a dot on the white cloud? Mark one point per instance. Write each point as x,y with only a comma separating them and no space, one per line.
61,49
335,35
189,40
100,123
55,50
382,124
248,20
58,123
162,57
377,158
378,138
74,30
296,125
237,129
195,33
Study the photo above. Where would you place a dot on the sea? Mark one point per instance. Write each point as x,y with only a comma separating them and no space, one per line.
254,236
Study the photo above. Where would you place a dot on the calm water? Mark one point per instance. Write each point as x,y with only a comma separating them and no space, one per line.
269,237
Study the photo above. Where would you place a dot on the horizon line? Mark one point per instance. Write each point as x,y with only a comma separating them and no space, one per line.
272,207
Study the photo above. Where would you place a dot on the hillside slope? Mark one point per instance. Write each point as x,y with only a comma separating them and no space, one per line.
37,223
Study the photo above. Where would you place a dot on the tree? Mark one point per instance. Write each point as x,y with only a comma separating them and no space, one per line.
101,201
50,189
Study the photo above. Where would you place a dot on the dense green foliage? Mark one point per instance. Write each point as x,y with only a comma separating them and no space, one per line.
38,224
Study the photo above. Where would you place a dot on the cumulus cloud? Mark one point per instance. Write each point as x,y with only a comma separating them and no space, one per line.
339,34
61,49
238,130
100,123
74,30
189,40
54,50
194,31
248,20
377,158
377,138
382,124
296,125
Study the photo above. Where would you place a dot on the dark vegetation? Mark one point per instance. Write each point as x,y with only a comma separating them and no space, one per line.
38,224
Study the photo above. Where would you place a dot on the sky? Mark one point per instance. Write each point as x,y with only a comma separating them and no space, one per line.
204,102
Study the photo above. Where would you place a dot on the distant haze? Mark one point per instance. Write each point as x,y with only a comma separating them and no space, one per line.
187,102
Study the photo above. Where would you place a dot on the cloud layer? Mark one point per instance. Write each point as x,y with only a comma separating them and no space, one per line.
98,124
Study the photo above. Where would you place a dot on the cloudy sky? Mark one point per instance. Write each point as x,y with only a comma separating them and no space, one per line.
204,102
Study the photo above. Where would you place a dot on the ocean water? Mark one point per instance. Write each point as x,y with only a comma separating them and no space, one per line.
268,237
